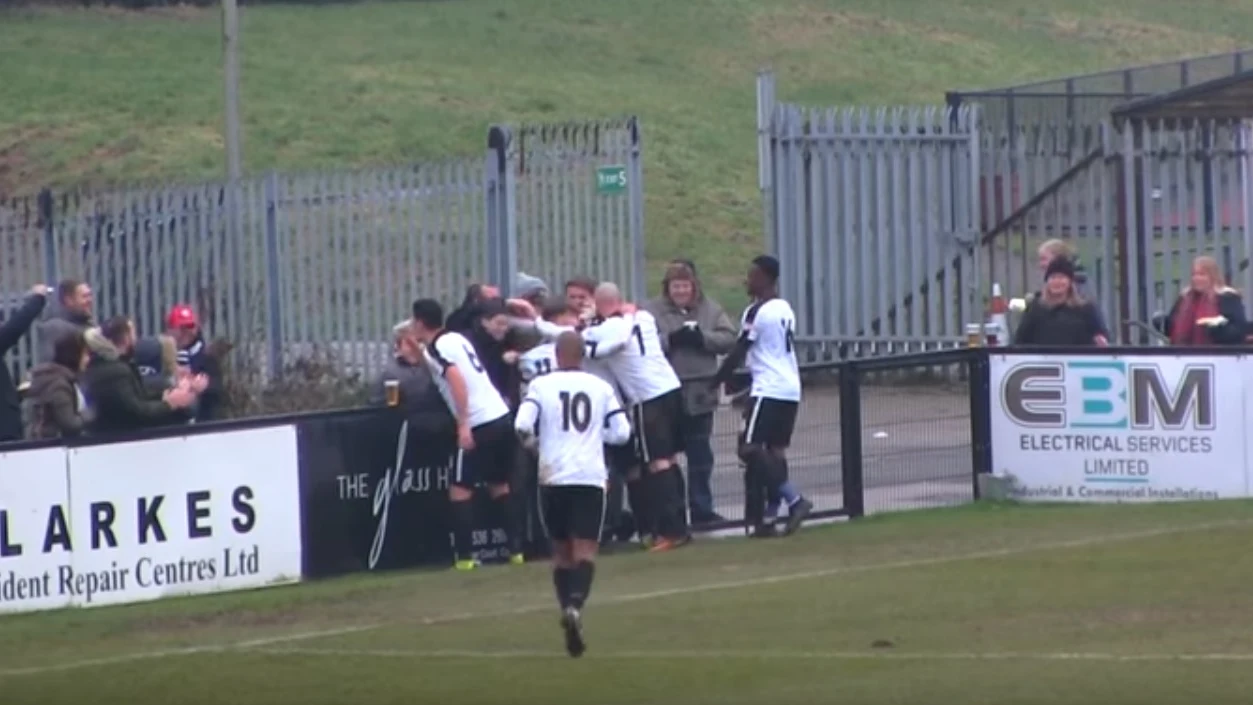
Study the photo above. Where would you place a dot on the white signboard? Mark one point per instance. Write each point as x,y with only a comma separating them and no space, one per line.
152,519
1119,429
33,501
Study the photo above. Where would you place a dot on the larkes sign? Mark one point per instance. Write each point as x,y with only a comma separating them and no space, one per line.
139,521
1118,429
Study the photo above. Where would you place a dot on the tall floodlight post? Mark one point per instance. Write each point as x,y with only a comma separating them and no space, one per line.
230,70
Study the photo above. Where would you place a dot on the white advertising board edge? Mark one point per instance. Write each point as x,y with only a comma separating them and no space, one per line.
151,519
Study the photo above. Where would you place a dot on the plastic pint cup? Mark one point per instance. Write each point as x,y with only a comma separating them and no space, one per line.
392,389
974,335
992,332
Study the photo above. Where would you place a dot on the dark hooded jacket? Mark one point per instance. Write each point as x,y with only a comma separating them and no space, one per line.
505,377
116,392
463,317
1084,286
11,331
52,406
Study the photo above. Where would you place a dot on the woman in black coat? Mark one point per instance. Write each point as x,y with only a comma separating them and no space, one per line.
1059,316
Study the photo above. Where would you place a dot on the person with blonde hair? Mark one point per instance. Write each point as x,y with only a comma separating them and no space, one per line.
1059,315
694,330
1056,248
1208,312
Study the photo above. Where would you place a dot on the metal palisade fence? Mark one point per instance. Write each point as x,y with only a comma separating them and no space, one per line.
1137,200
873,214
892,224
286,265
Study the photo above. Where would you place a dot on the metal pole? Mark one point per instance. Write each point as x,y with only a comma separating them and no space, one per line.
230,70
238,324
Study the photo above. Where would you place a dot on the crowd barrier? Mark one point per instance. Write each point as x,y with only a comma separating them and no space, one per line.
259,502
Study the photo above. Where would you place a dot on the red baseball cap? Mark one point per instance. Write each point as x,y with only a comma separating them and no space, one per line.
181,316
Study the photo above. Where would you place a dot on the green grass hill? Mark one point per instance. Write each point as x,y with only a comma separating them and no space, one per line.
110,96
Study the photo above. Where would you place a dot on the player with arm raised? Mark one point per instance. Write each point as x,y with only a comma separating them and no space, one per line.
629,343
485,439
766,345
573,414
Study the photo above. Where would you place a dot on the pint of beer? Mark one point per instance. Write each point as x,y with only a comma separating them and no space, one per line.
392,389
974,335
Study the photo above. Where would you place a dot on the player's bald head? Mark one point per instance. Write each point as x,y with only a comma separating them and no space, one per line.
569,351
608,299
608,290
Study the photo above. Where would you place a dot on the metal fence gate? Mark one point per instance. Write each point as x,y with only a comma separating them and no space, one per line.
289,264
874,216
892,224
1136,200
577,202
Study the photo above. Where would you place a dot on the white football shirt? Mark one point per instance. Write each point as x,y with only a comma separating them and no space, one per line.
600,368
537,362
770,326
632,348
450,349
574,414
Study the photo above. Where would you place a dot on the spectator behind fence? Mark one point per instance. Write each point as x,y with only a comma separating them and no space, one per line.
462,319
71,313
489,335
1059,315
1060,249
12,329
419,398
579,292
694,331
55,406
196,358
1208,312
533,291
115,390
156,358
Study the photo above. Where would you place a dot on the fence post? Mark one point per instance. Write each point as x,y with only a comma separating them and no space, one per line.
980,417
46,207
501,237
635,217
850,440
273,281
765,154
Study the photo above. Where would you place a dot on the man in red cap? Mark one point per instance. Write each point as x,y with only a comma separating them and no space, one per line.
194,356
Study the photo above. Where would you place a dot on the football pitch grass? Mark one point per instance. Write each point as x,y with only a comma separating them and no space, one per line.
984,604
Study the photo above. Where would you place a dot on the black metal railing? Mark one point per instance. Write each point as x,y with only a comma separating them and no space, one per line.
873,435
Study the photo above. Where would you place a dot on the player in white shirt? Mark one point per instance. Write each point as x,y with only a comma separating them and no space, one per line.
569,314
628,342
540,360
766,345
486,442
572,414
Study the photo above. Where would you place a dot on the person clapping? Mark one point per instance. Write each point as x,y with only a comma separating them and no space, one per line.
115,389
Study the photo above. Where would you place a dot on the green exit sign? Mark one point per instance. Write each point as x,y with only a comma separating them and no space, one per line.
611,179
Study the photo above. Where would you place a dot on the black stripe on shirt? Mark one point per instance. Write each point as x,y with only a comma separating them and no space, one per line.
433,351
610,415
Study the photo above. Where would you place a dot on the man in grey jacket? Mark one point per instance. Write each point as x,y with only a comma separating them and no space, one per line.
694,331
71,313
420,400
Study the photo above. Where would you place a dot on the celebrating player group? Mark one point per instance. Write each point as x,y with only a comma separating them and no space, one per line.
600,395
